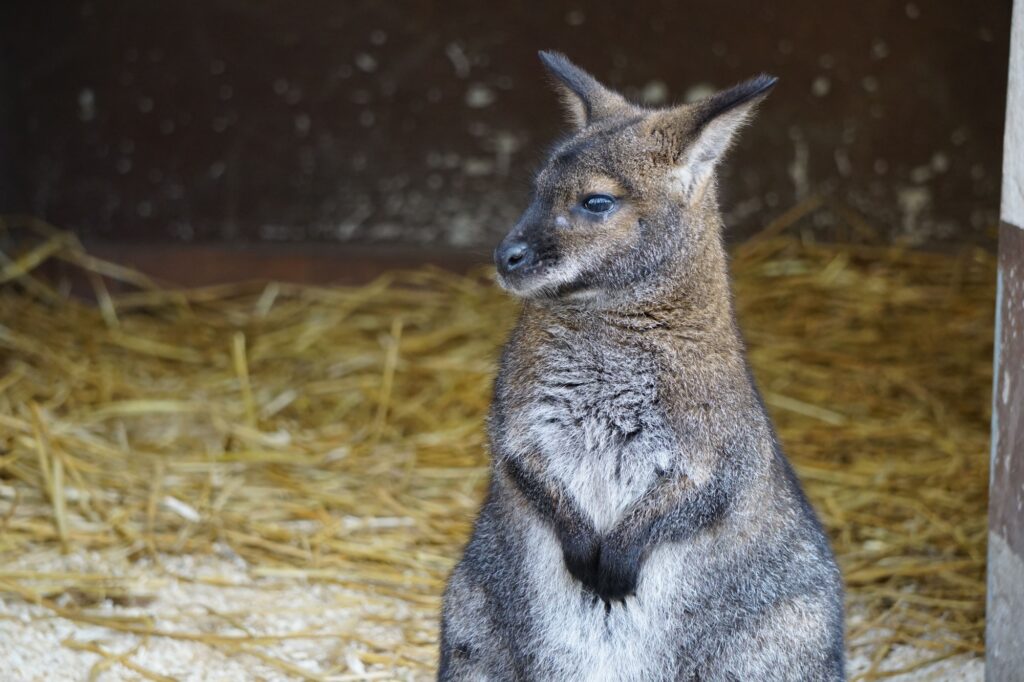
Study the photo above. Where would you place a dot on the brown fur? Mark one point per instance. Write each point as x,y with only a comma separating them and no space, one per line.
642,522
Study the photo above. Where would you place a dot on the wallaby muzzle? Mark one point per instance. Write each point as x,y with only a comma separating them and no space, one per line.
513,256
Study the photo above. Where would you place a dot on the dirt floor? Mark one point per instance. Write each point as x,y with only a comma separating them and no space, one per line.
266,481
210,594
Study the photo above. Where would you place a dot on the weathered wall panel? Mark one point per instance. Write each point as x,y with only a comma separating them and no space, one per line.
1005,613
420,121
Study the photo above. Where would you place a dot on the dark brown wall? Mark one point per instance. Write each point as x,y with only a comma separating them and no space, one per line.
420,121
11,193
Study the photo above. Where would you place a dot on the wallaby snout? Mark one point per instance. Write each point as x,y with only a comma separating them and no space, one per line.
513,255
527,256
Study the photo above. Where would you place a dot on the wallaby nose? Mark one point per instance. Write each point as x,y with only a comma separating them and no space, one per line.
512,256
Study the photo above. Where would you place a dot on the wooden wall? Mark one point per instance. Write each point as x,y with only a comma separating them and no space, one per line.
418,122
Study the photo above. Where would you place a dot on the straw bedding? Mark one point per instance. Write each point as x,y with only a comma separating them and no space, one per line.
270,480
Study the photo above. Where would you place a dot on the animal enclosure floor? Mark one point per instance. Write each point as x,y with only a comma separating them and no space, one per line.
269,481
219,595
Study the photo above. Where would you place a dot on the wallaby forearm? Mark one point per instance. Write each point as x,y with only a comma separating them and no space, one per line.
672,510
576,534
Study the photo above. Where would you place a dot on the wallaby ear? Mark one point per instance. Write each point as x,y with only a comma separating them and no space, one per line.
704,130
586,100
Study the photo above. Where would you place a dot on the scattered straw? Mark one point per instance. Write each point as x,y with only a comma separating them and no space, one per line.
332,438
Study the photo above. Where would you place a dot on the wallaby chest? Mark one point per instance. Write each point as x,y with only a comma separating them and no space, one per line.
594,410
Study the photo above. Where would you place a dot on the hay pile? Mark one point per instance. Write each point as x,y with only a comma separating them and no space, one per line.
329,442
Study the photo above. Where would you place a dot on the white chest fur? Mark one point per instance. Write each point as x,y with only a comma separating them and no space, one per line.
595,417
579,640
604,471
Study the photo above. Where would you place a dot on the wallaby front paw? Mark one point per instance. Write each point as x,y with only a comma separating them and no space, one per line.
581,558
618,570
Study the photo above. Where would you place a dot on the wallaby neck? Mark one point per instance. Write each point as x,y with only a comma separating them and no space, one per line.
690,301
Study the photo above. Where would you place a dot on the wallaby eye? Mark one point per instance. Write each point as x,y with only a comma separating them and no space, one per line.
599,203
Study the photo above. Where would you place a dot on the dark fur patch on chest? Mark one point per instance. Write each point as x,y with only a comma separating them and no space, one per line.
584,385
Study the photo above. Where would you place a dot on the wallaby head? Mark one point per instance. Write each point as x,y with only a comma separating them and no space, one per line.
628,198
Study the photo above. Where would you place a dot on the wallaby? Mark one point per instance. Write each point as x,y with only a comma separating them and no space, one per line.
641,522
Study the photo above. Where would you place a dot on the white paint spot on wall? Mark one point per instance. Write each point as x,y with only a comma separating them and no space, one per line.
86,105
505,145
798,169
913,201
575,17
820,86
920,174
457,56
843,164
655,93
366,62
479,96
699,91
475,166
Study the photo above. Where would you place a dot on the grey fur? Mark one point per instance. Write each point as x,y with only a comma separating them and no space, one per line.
642,522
